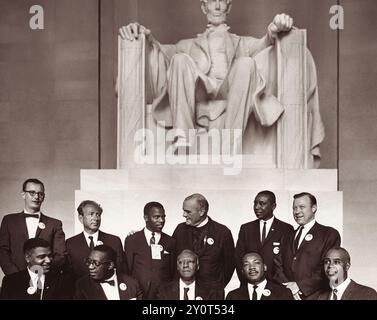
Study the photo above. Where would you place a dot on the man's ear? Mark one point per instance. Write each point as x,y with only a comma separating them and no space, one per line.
273,206
146,218
347,266
81,218
111,265
265,268
27,257
229,7
314,208
204,8
23,195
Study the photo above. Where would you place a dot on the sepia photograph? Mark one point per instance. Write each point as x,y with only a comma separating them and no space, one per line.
188,150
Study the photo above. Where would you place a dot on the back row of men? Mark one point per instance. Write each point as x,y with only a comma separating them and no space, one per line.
272,260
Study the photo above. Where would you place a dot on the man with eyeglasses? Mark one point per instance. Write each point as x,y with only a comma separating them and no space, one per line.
16,228
37,281
104,282
336,264
80,245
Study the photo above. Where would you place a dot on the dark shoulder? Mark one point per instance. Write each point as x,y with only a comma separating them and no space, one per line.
249,225
52,220
234,294
330,231
73,239
218,226
84,280
135,237
14,277
365,289
284,225
11,216
109,236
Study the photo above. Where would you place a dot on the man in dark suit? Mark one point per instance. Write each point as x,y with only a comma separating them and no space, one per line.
210,240
299,267
186,287
79,246
36,281
336,264
266,235
150,253
16,228
257,287
102,282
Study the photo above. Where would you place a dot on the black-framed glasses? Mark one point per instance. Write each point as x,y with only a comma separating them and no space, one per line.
96,263
34,193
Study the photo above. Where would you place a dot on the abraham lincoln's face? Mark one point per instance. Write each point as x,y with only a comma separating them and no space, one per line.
216,11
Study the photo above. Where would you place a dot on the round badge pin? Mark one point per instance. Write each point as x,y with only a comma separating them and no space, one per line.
99,243
198,298
123,286
210,241
276,250
308,237
266,292
31,290
41,225
160,247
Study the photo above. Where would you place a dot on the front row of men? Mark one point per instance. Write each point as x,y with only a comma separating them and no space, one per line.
268,252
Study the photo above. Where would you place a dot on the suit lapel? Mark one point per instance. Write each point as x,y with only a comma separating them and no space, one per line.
23,228
42,221
202,41
312,231
231,44
123,294
348,292
271,232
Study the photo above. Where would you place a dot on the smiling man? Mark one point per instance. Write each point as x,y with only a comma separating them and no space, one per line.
299,267
266,235
150,253
336,264
36,281
210,240
79,246
197,81
257,287
16,228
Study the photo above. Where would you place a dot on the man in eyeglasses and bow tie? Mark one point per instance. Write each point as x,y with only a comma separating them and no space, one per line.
16,228
104,282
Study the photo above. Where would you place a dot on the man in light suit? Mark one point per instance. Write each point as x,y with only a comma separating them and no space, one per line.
79,246
217,66
210,240
336,264
104,282
266,235
257,287
16,228
150,253
299,267
186,287
37,281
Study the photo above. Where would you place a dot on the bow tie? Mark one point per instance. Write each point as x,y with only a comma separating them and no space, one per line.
110,282
30,215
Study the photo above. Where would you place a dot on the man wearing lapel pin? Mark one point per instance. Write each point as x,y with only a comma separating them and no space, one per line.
79,246
36,281
16,228
299,267
217,66
210,240
150,253
186,287
257,286
104,282
336,263
266,235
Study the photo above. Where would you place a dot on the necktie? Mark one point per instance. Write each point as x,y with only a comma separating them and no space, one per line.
334,294
185,295
264,231
91,244
30,215
110,282
153,239
254,296
297,239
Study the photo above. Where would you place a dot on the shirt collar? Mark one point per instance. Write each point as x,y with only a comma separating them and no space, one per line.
35,276
268,222
38,213
94,235
309,225
260,289
113,277
184,285
342,287
203,223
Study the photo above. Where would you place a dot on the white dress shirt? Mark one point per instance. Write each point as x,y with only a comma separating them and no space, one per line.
340,289
148,236
268,226
190,292
305,231
259,289
94,235
111,292
34,279
32,224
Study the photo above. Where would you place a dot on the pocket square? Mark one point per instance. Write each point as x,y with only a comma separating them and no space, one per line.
276,243
165,252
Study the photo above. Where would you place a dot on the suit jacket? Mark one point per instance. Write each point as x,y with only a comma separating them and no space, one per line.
277,292
88,289
304,266
150,272
13,234
78,250
15,285
354,291
170,291
249,241
216,258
